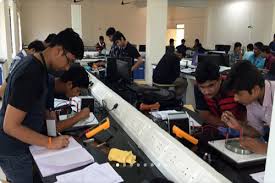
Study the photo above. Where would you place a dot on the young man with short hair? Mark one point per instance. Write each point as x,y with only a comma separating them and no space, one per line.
257,58
212,98
236,54
49,39
127,49
269,58
114,51
257,95
168,69
101,44
249,51
171,47
182,48
70,83
24,105
33,47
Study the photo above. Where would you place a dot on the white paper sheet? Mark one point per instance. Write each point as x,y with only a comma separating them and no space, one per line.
259,177
95,173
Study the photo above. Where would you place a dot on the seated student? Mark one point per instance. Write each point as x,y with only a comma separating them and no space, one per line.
182,48
101,44
127,49
49,39
249,51
212,98
69,84
257,58
168,69
236,54
251,90
114,51
22,115
171,47
269,58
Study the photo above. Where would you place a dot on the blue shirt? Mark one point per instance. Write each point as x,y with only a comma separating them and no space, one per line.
247,55
18,58
257,61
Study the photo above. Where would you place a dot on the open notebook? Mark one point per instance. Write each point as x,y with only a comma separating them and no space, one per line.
52,162
83,123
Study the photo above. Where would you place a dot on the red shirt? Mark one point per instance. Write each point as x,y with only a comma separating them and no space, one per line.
268,61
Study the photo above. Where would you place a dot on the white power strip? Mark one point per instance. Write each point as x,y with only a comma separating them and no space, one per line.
173,159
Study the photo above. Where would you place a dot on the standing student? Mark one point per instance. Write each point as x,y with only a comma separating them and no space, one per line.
171,47
114,51
101,44
198,47
182,48
257,95
127,49
23,111
49,39
34,47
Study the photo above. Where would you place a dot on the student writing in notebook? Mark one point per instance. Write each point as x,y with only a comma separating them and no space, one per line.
24,104
68,85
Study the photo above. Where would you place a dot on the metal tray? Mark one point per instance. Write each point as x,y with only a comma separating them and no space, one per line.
234,146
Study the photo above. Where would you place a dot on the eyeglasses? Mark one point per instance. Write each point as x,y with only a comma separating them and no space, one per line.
70,61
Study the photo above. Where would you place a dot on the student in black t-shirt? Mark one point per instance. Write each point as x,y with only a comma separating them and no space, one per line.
101,44
69,84
127,49
24,105
168,69
182,48
114,48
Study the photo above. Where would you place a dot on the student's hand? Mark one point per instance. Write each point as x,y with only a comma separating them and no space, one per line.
231,120
253,145
59,142
51,115
84,113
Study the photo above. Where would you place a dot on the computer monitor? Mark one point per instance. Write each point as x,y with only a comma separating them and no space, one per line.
220,47
142,48
219,59
124,71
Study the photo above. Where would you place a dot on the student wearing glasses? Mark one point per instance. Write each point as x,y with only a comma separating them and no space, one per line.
24,105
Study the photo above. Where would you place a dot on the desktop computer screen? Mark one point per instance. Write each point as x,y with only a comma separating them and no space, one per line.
142,48
124,66
219,59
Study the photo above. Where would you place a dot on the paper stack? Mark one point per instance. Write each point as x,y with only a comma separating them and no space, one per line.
94,173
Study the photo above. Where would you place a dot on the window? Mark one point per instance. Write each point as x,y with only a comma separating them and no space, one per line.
179,33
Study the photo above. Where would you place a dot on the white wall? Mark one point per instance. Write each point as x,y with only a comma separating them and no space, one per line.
228,21
98,15
41,17
194,20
